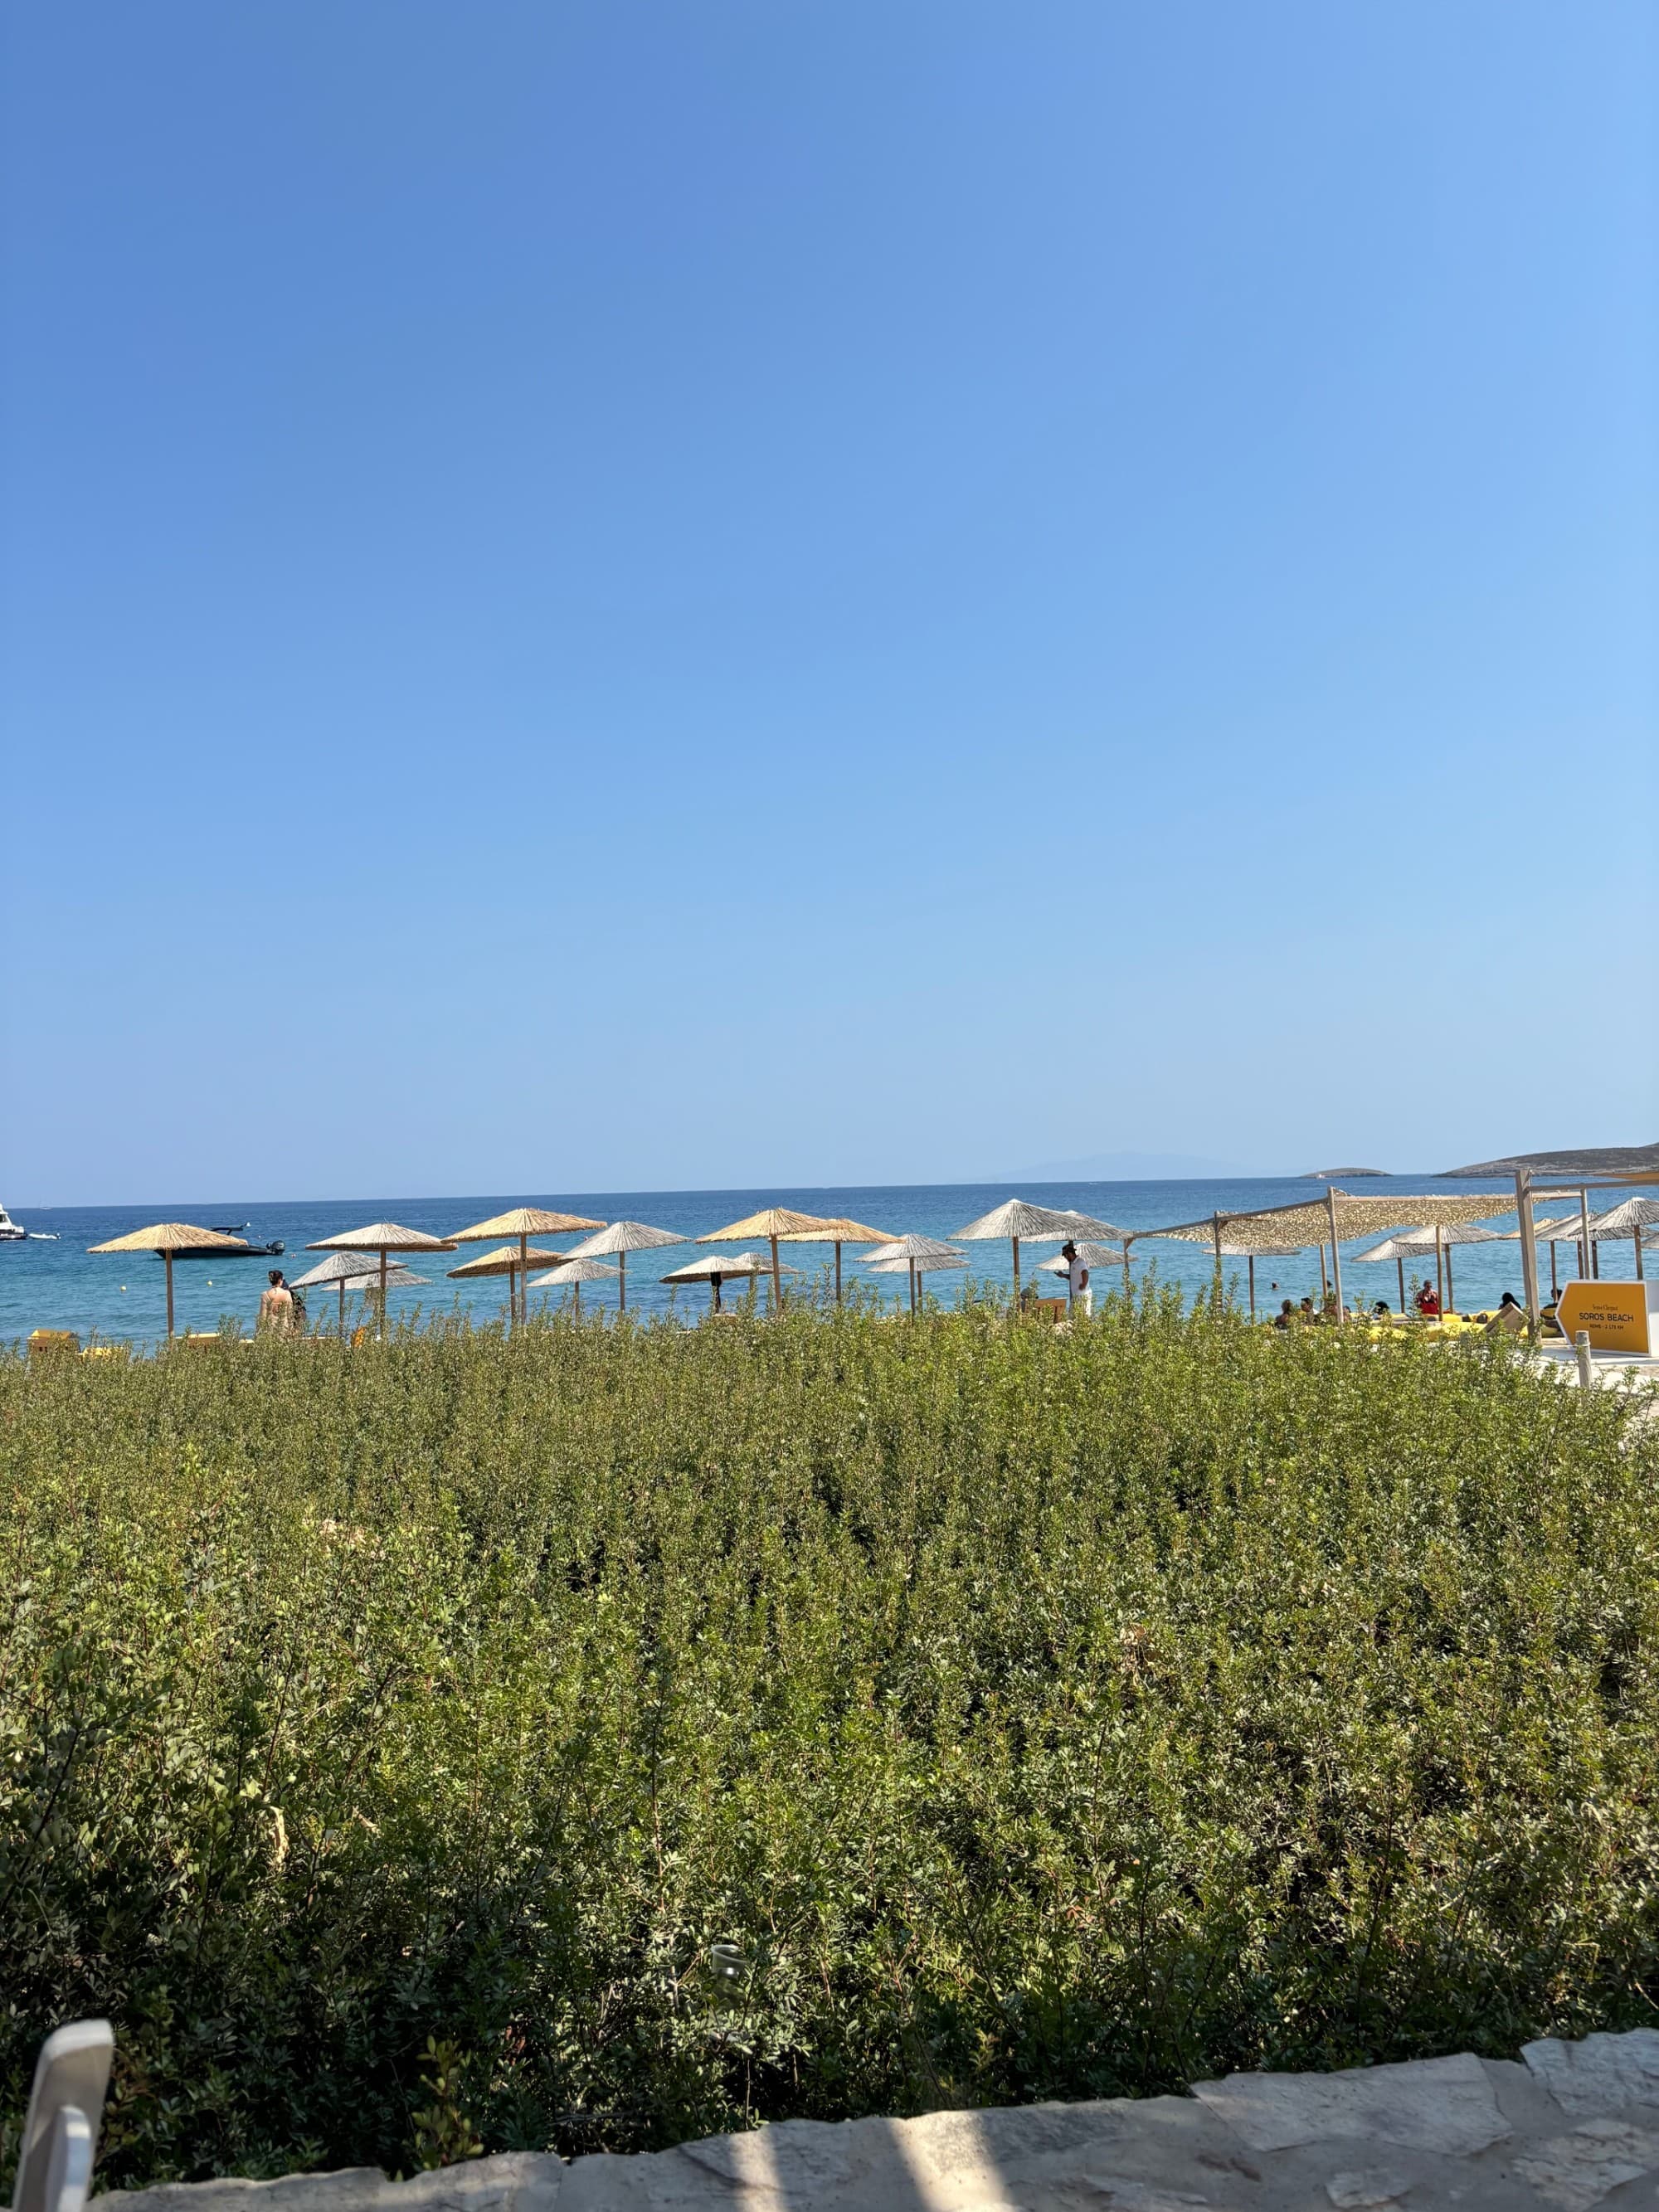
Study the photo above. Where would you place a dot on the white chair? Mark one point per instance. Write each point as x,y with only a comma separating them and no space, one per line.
60,2136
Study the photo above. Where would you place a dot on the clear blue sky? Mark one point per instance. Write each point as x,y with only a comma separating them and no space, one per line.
623,596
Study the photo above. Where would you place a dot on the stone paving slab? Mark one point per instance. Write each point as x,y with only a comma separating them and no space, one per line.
1570,2128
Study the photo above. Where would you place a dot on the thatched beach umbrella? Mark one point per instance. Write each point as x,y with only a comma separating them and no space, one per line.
920,1255
889,1262
571,1272
341,1268
1439,1240
772,1222
524,1221
1017,1218
381,1237
1629,1220
168,1238
741,1267
837,1230
623,1237
513,1261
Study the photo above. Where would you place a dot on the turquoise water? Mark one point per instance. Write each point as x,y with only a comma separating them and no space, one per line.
63,1286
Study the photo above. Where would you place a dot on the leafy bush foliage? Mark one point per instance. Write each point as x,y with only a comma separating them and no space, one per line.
613,1734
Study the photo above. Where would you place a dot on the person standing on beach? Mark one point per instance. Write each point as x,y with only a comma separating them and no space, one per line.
1077,1280
277,1306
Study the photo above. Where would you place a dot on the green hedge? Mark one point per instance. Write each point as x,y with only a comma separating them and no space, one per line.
1033,1714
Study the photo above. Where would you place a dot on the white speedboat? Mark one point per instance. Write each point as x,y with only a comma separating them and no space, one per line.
13,1232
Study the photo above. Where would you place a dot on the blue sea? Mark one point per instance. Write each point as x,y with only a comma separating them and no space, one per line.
122,1296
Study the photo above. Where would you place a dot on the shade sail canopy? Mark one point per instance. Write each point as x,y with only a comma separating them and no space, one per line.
574,1270
339,1267
903,1249
626,1236
173,1237
836,1230
383,1236
524,1221
1622,1221
1310,1223
723,1269
1018,1217
778,1221
505,1260
1092,1255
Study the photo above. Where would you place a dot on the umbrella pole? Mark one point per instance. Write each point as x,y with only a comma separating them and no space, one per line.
1585,1263
913,1290
1252,1286
1336,1256
1637,1241
1399,1266
342,1309
524,1278
383,1297
838,1270
622,1280
1215,1238
1451,1293
1015,1242
777,1280
1555,1291
168,1256
1439,1268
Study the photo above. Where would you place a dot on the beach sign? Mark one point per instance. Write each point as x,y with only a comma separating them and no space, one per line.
1614,1316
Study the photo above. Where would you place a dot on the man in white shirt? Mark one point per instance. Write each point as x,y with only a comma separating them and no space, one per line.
1077,1280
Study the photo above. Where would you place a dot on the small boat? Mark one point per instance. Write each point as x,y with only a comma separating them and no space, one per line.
271,1251
13,1232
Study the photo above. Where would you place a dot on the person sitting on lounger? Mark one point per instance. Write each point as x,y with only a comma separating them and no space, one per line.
1428,1301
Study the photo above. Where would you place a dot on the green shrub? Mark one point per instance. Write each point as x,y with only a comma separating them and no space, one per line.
388,1739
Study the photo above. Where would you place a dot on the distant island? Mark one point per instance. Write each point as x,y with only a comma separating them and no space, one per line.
1596,1160
1334,1174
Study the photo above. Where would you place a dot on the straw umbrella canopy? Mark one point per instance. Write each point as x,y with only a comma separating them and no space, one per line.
1397,1249
917,1263
1439,1240
341,1268
513,1261
524,1221
383,1236
168,1238
623,1237
1017,1217
574,1273
772,1222
715,1272
1629,1220
920,1255
838,1231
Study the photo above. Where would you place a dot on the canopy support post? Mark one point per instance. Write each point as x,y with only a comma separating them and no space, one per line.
1528,1248
1336,1257
1439,1270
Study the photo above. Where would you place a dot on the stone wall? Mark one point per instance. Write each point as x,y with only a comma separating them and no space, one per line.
1569,2126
